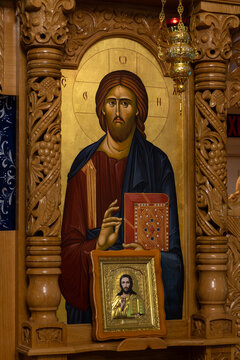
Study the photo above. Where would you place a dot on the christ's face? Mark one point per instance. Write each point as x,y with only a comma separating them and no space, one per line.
125,284
120,111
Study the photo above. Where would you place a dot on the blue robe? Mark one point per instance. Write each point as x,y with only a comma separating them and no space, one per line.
148,170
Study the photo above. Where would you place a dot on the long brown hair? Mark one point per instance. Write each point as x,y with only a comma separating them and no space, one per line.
131,81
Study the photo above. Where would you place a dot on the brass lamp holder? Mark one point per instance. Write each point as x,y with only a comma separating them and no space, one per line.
179,53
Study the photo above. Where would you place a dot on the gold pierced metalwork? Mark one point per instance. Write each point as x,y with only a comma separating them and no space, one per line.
162,14
180,10
179,52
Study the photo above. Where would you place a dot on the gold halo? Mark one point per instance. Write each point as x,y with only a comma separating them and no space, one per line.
111,55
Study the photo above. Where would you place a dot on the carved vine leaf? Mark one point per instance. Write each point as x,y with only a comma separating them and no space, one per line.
211,163
36,109
88,23
44,103
211,35
211,213
44,156
44,21
26,335
46,218
47,89
217,210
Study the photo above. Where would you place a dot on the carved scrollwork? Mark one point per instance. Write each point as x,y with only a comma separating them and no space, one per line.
211,174
26,335
49,335
88,24
44,21
198,328
221,327
44,156
211,35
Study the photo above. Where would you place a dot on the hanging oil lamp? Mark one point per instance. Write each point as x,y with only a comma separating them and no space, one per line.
179,52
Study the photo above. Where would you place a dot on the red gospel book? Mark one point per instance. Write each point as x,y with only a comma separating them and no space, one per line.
146,220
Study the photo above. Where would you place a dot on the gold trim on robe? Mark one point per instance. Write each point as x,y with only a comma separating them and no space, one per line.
90,172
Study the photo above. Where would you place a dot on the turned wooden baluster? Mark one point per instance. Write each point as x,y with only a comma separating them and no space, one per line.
43,187
43,33
212,39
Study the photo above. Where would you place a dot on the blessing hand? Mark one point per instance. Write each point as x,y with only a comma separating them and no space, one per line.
109,229
135,246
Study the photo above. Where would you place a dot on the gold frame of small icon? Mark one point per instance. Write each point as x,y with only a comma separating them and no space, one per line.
142,314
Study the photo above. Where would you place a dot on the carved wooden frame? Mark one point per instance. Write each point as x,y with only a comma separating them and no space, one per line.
45,25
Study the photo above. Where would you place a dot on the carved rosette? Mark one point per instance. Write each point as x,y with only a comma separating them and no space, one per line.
212,39
44,22
43,33
211,36
89,24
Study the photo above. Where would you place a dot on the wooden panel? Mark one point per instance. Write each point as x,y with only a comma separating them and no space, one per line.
7,294
8,38
21,196
8,238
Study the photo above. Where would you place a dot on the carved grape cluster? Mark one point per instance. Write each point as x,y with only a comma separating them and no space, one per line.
49,151
217,160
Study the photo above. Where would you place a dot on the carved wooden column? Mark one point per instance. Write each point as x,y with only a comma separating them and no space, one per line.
211,34
43,33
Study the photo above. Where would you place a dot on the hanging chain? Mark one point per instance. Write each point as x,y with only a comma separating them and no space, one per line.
162,14
180,10
192,28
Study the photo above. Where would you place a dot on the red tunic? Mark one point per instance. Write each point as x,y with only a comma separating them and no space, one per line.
74,281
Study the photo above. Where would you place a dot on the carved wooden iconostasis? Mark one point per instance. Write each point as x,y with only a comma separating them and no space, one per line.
57,76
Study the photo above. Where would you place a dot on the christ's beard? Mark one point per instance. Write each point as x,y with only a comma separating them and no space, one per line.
119,132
